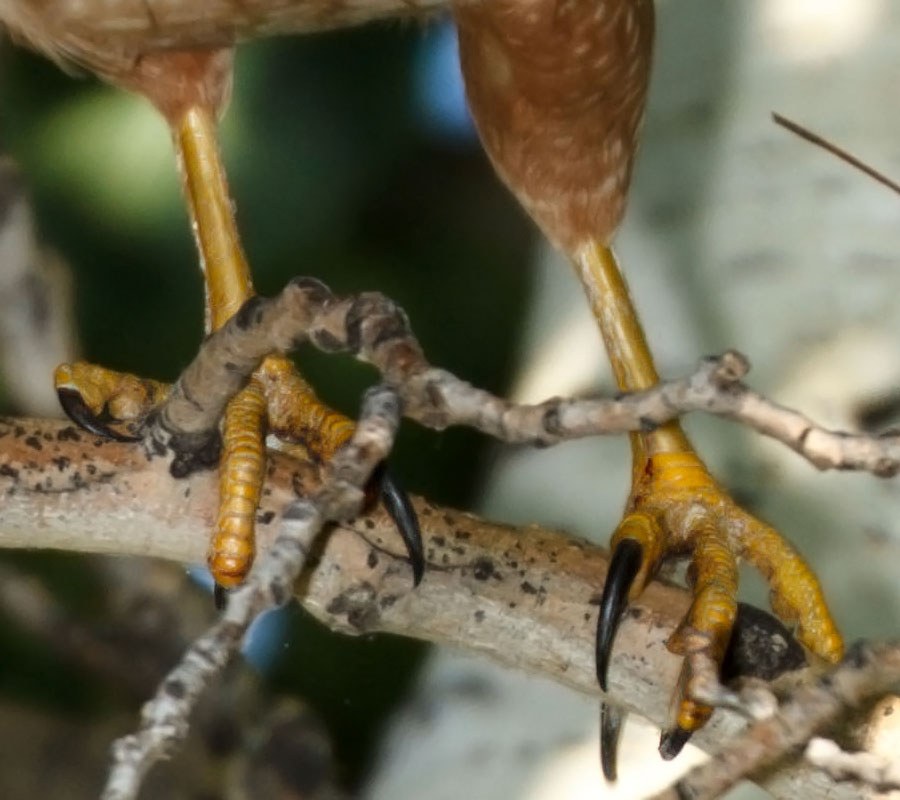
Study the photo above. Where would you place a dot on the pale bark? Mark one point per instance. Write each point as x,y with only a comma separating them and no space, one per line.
520,596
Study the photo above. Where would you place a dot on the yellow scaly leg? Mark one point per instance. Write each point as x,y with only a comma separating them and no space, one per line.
676,507
190,88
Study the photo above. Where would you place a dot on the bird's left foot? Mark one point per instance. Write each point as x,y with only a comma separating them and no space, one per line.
677,508
277,400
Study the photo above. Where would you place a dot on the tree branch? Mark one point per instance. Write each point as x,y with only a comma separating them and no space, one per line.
522,597
375,330
878,771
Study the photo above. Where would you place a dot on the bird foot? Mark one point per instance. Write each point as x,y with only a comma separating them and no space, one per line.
110,404
676,508
277,400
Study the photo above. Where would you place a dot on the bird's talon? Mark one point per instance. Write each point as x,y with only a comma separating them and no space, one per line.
397,504
220,597
104,402
75,408
623,569
672,741
611,719
677,508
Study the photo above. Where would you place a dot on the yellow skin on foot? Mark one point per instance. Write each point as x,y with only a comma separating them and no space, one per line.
676,508
557,92
277,399
123,397
189,89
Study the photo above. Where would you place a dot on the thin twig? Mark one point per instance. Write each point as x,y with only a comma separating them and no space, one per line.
831,147
377,331
165,718
883,774
867,671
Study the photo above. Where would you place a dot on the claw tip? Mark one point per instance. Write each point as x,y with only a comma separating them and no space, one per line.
610,726
418,570
672,741
77,410
623,569
220,597
400,508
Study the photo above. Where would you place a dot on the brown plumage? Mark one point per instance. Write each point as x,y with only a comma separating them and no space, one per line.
107,37
557,90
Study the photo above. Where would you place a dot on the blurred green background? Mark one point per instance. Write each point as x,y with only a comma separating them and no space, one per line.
343,168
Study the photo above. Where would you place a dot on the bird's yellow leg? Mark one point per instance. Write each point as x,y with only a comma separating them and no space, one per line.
277,397
189,88
294,413
228,286
100,399
677,508
227,277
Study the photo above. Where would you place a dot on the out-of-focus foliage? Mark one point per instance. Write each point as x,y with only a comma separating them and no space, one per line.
334,175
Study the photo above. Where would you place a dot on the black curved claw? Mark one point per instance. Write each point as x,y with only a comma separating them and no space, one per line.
671,742
611,719
397,503
220,597
623,568
77,410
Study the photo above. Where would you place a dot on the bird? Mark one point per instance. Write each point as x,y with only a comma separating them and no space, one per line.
557,90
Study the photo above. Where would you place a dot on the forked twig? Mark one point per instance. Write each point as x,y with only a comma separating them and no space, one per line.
165,718
374,329
867,671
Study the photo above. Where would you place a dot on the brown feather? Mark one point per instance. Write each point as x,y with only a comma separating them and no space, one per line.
557,89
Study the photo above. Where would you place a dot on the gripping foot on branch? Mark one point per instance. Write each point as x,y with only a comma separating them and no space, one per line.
190,89
677,508
118,406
